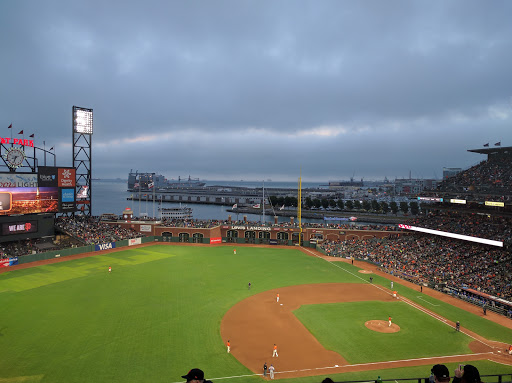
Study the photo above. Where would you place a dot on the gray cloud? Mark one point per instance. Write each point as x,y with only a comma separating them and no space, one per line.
256,90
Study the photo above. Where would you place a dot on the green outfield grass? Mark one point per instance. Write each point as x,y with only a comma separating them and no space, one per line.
158,313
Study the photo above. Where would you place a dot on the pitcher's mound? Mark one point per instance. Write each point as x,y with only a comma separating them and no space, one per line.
382,326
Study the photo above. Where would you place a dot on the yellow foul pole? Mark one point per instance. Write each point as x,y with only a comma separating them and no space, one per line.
299,208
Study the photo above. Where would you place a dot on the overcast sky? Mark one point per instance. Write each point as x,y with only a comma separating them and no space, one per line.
230,90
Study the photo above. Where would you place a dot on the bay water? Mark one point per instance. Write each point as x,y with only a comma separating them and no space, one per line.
111,196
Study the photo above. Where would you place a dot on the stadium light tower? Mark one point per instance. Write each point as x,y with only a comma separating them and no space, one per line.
82,157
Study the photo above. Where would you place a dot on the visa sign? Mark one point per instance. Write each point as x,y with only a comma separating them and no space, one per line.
105,246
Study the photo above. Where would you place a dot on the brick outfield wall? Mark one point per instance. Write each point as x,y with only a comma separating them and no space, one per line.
148,228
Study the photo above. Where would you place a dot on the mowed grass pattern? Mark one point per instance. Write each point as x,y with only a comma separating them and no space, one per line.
153,318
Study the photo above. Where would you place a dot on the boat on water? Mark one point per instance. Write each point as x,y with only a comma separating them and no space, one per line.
340,184
175,212
144,181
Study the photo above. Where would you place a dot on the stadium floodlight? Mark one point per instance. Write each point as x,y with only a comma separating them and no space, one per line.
82,120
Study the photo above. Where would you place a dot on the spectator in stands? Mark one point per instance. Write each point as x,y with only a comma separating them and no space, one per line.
440,373
194,376
467,374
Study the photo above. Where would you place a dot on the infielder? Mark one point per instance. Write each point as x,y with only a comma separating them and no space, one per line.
394,295
277,297
275,351
229,346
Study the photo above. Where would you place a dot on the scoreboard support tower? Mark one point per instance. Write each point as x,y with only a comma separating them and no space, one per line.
82,156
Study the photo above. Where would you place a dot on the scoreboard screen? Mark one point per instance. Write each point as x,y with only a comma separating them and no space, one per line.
51,190
19,194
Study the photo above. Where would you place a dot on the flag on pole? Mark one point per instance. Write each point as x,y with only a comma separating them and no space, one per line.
235,206
497,143
281,208
20,132
51,148
32,135
486,145
9,127
151,185
257,206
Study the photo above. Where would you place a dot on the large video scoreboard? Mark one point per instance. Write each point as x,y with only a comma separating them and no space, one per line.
51,190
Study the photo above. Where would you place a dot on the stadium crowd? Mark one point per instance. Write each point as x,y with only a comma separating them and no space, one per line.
494,173
494,227
425,258
91,231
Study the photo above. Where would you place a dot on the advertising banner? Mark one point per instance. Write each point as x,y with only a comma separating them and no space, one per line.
145,228
67,200
47,176
215,240
452,235
105,246
492,203
20,227
66,177
134,241
18,180
8,262
272,241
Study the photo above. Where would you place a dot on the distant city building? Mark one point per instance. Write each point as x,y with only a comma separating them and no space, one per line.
450,172
407,186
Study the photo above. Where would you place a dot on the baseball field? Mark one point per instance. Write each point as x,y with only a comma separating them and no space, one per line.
165,309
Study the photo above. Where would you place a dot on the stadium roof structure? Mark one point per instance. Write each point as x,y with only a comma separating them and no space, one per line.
493,150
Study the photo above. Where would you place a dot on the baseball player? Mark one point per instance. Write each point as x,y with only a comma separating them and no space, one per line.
234,251
394,295
271,371
249,286
229,346
389,320
391,284
110,269
277,297
275,351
